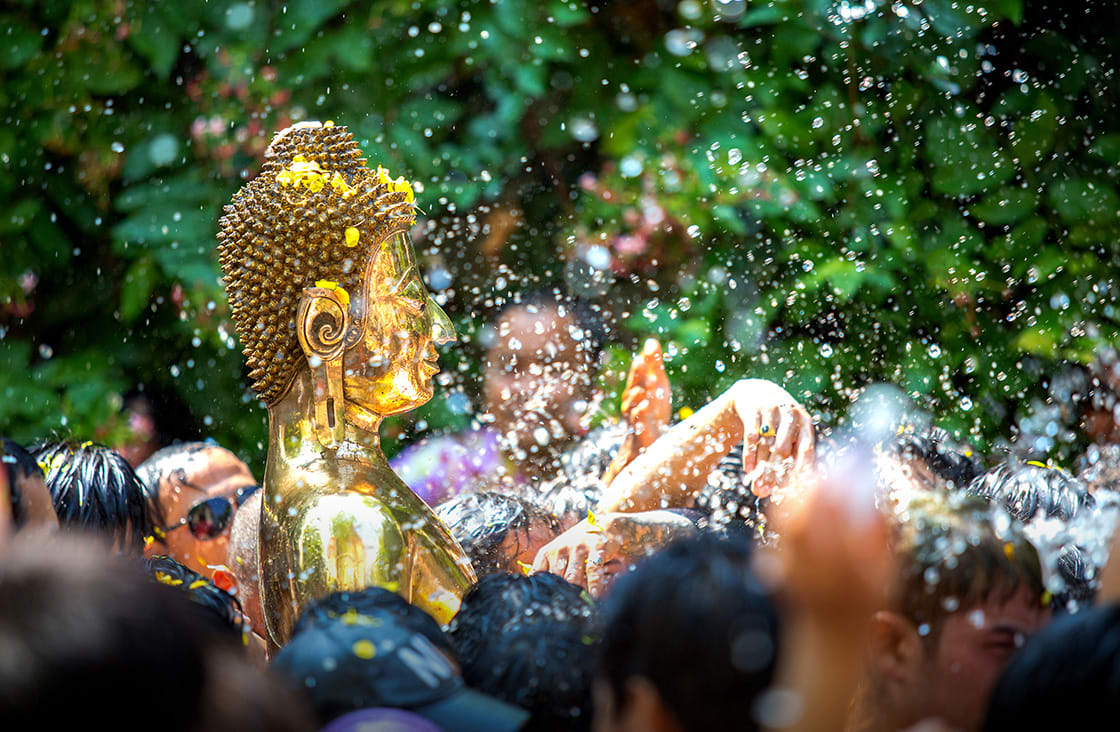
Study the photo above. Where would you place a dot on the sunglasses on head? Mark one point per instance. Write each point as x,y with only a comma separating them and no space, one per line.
209,518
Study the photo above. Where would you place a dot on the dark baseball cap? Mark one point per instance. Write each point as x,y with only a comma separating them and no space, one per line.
376,658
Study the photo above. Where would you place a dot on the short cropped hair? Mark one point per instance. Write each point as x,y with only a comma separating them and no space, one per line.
935,448
694,621
952,558
1031,489
95,489
529,641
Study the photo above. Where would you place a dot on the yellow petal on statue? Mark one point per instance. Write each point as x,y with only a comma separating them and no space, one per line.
351,236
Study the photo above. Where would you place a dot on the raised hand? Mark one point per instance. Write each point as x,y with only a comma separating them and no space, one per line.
646,406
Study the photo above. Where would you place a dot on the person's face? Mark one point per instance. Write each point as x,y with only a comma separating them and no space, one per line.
390,369
212,472
522,546
538,377
971,652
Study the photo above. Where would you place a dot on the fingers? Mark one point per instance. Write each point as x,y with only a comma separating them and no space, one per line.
771,418
576,570
750,439
806,442
551,557
787,431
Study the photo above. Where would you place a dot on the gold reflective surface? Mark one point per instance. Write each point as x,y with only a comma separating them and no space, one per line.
337,517
339,332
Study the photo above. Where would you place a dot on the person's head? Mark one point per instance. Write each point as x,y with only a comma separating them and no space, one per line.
216,608
690,640
90,641
320,270
499,532
369,649
1032,490
30,498
94,489
244,561
1065,677
965,598
538,372
529,641
925,458
199,487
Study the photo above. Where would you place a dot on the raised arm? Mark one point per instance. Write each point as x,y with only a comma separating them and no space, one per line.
670,473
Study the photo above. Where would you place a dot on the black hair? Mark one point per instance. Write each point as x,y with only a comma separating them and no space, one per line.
727,503
530,641
695,623
372,601
937,450
480,522
217,608
20,464
94,488
1067,676
80,628
1029,489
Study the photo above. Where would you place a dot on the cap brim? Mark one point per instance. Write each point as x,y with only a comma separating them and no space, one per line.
470,711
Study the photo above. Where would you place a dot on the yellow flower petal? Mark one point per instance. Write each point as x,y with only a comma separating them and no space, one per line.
364,649
352,235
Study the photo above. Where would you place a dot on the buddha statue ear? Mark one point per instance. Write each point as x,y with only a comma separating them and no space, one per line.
322,322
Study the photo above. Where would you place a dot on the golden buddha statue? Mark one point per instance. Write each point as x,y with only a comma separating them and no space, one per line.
339,332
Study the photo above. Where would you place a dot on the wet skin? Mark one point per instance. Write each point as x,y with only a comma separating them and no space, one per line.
207,473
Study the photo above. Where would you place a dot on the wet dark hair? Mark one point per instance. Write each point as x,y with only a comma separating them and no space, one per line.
20,464
480,522
727,503
937,450
1067,676
80,628
217,608
529,641
1028,490
371,601
94,488
695,623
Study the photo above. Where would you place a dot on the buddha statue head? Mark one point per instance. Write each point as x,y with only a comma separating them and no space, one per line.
321,275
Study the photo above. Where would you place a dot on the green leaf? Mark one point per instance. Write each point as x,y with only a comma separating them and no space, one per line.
1010,9
137,288
18,42
156,39
1107,148
1006,206
1082,200
964,157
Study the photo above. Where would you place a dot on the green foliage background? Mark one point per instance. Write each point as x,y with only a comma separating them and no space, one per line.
825,193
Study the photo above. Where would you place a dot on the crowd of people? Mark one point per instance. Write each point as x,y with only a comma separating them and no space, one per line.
734,570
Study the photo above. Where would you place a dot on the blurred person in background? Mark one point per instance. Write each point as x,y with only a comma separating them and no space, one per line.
199,487
28,499
244,568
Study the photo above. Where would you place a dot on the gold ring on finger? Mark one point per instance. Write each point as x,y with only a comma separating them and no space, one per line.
766,431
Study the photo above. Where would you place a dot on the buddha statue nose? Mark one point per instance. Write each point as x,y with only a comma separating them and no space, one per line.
442,329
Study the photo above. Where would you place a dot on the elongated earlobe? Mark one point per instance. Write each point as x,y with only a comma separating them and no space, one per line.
321,326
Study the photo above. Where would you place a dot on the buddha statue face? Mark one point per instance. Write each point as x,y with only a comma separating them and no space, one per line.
390,368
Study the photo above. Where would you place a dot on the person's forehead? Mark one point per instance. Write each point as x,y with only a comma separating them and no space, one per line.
533,331
1020,611
213,465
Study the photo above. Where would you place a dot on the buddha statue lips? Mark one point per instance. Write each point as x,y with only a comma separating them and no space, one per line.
339,332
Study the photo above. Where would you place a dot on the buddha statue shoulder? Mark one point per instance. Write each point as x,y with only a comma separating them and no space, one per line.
339,332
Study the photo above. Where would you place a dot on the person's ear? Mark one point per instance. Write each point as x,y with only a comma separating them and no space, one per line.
322,322
896,648
643,708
